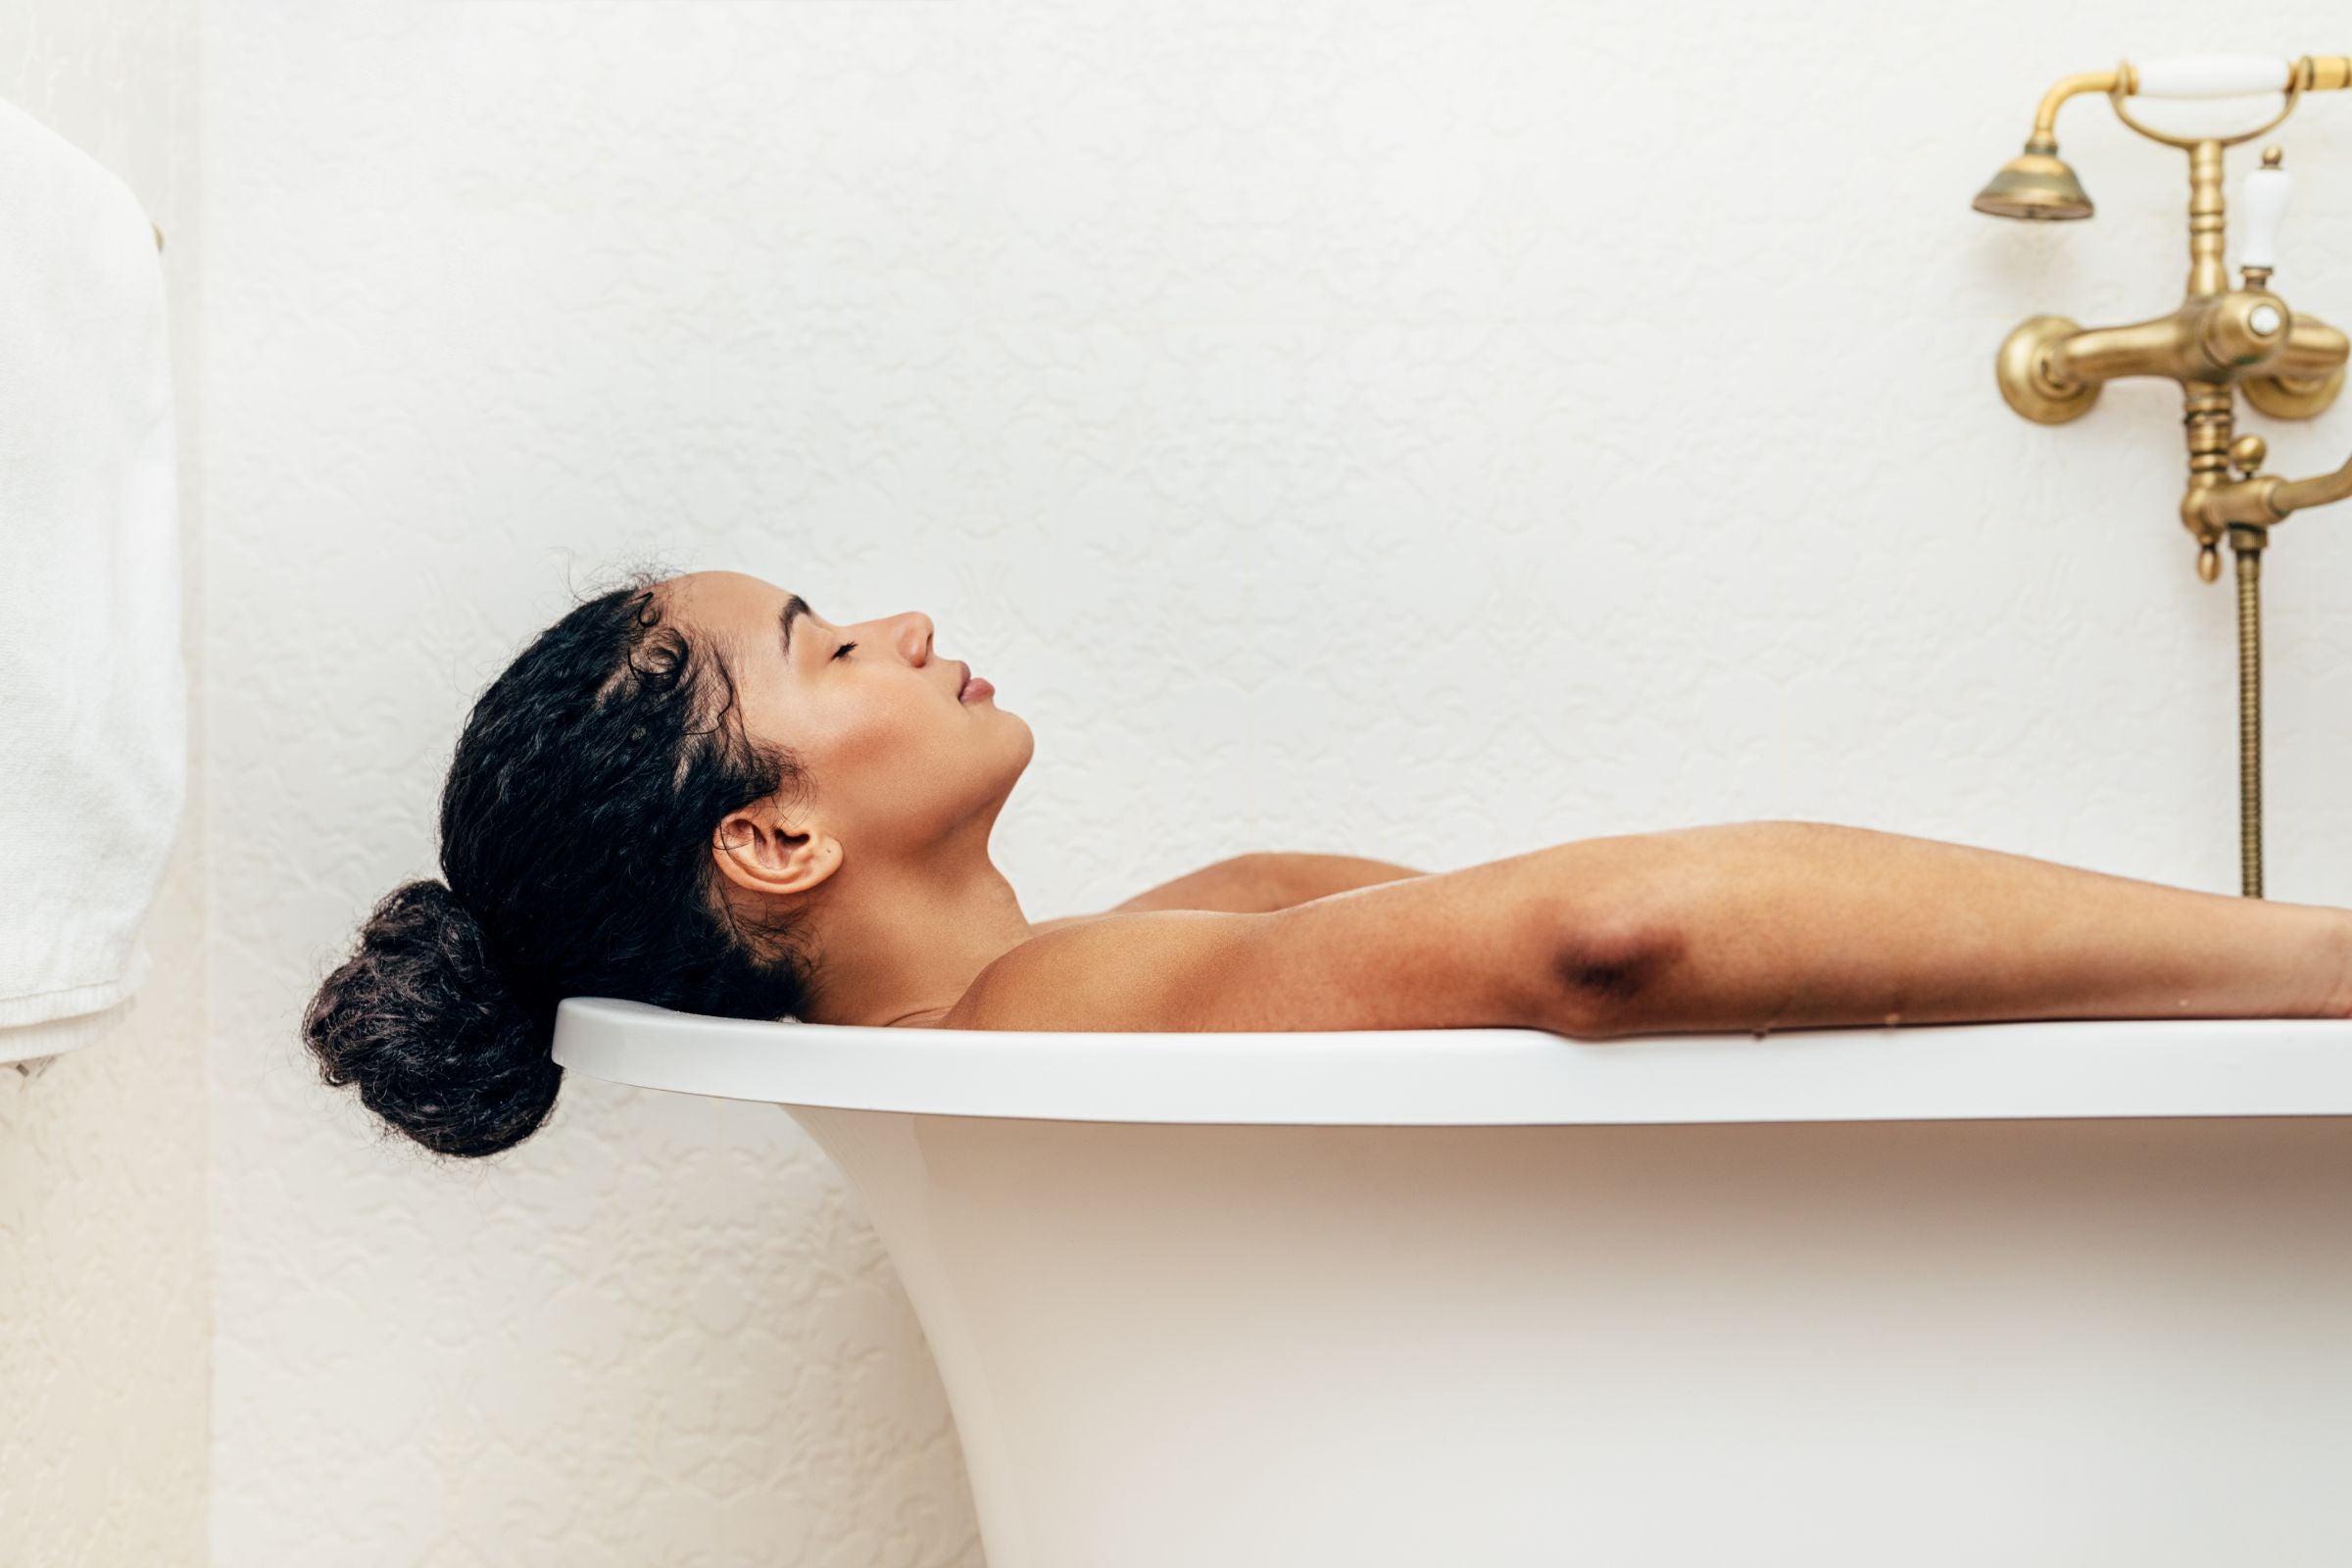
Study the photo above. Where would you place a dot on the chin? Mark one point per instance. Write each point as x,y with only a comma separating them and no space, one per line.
1028,739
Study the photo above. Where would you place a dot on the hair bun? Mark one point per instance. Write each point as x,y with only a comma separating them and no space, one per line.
435,1035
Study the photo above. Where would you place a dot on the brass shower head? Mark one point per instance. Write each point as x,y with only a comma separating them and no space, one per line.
2038,185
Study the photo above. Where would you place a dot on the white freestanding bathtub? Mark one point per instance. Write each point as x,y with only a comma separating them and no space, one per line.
2069,1294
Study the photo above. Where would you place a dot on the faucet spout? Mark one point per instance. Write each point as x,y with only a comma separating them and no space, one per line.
2259,498
2317,491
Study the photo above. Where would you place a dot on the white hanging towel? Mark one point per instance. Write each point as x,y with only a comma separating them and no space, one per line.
93,688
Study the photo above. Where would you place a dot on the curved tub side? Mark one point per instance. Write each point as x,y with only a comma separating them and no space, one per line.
878,1151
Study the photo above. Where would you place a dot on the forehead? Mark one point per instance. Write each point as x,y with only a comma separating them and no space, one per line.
731,603
729,589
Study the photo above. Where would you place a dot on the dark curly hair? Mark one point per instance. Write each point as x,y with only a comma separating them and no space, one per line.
576,826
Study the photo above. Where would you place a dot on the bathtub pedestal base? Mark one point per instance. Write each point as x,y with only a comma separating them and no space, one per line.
1935,1342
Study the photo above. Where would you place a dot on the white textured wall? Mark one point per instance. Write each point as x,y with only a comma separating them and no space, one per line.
1430,431
103,1325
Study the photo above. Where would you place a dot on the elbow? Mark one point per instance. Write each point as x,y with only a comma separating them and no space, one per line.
1607,977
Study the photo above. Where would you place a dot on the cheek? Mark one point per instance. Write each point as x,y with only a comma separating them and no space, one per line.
878,734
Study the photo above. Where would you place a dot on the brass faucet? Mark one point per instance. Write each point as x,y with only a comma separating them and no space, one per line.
2219,338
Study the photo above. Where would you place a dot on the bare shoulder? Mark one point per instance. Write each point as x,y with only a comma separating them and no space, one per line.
1116,971
1468,948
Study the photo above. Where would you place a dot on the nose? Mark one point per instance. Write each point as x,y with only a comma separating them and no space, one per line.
915,636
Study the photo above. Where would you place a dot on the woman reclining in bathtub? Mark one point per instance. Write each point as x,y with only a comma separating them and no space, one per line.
699,793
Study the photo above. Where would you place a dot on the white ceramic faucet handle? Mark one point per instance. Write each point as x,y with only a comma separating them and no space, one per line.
2212,76
2266,192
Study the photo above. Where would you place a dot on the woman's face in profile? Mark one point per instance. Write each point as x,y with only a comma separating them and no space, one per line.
896,761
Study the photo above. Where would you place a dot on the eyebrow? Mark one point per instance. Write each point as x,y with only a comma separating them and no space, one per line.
794,606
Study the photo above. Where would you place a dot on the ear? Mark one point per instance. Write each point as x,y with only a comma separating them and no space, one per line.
762,854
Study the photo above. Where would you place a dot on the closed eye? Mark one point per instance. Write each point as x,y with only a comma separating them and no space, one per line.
843,651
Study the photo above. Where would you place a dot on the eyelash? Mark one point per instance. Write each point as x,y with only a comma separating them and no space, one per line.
842,650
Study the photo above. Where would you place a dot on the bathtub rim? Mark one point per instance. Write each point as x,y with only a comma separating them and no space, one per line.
1482,1077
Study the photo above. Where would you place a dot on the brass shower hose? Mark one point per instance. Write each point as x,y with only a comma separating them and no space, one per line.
2249,710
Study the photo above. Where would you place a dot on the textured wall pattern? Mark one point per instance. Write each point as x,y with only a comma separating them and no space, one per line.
103,1326
1417,430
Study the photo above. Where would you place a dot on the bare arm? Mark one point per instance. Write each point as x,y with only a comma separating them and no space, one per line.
1749,925
1478,946
1787,925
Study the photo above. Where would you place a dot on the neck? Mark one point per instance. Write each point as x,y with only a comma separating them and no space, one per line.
902,941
